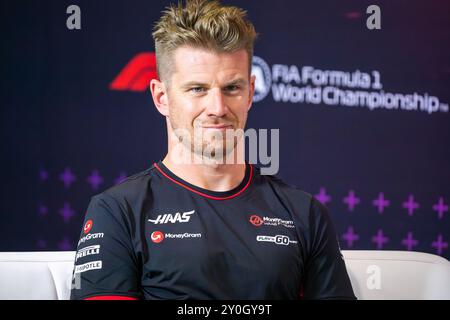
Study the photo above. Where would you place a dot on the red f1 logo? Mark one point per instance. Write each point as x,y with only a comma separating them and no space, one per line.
137,73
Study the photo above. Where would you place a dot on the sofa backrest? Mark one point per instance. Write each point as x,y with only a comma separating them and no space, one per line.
374,275
405,275
36,275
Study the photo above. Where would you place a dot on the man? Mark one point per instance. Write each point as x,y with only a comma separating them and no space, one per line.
202,228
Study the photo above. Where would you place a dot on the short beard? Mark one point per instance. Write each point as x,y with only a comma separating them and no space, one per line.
192,147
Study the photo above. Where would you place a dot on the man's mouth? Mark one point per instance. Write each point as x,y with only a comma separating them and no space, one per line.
218,127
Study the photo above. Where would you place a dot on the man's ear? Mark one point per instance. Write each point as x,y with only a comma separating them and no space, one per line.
252,91
159,95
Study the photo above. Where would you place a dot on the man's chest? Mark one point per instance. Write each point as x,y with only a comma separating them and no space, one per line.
237,245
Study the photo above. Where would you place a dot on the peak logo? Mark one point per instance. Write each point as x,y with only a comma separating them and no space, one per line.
157,236
136,75
172,218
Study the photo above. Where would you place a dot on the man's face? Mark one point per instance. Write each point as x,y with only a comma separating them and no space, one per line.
209,93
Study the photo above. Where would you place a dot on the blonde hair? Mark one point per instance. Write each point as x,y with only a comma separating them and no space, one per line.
201,24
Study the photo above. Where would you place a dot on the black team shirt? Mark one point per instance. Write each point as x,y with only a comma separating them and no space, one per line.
155,236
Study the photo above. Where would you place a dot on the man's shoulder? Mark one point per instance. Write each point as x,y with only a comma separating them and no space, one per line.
307,206
129,189
289,189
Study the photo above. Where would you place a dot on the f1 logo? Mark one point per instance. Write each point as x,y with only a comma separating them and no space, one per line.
136,75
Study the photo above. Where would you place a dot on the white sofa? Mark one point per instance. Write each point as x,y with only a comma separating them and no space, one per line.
374,275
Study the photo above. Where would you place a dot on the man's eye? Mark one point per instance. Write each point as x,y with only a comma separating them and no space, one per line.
197,89
232,88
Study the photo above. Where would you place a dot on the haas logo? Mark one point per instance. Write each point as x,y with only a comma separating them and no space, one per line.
256,220
157,236
172,218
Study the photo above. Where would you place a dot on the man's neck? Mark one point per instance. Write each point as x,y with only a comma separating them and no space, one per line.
213,177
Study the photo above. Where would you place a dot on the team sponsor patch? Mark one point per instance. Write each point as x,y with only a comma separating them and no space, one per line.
158,236
278,239
91,236
94,265
183,235
172,218
258,221
88,226
88,251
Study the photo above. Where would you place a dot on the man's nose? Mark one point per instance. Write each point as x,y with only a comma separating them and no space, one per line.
217,105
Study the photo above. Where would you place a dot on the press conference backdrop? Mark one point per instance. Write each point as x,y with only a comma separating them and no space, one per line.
363,114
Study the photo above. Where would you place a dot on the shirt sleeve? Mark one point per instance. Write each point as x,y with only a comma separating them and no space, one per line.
325,272
105,264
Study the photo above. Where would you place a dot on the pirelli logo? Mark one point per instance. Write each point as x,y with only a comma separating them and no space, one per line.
88,251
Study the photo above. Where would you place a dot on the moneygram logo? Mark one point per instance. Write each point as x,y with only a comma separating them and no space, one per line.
183,235
157,236
88,226
267,221
91,236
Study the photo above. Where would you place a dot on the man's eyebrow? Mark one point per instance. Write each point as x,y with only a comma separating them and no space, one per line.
191,84
235,82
